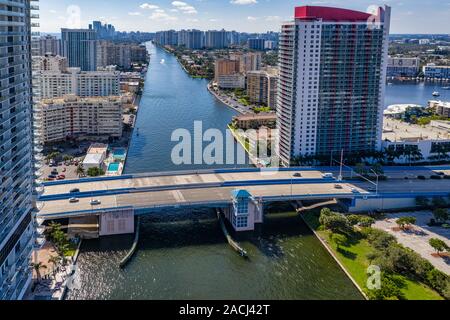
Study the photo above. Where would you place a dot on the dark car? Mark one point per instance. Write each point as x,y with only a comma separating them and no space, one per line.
421,178
76,190
297,175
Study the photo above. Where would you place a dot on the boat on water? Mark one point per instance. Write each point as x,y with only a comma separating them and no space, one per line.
436,94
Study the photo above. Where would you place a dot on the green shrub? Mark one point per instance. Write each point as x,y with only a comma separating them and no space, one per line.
379,239
390,288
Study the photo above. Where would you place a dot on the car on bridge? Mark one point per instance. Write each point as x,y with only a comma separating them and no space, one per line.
74,200
75,190
95,202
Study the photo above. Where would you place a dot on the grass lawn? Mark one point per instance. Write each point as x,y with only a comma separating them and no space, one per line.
71,251
353,257
244,143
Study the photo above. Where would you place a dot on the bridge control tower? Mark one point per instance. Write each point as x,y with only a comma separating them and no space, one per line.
245,211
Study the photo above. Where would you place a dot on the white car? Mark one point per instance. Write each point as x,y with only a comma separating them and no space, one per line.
95,202
354,190
73,200
328,176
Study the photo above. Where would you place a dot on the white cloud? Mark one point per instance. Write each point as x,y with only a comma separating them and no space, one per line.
243,2
148,6
184,7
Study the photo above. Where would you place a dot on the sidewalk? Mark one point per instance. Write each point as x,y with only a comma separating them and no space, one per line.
418,238
53,281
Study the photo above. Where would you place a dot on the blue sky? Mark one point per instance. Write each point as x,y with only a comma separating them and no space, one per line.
409,16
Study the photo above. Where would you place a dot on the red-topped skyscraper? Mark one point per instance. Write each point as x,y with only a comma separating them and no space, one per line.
332,81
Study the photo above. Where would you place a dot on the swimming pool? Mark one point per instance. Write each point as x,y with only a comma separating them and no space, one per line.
113,167
119,154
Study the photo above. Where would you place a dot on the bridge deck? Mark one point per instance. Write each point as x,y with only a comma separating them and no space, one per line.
212,188
189,179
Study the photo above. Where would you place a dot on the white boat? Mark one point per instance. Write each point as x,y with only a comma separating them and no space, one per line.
436,94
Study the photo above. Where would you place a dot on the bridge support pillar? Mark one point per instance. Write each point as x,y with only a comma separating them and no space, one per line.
245,212
116,222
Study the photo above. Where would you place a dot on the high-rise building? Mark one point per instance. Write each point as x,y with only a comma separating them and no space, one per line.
77,118
250,61
195,39
225,67
216,39
262,87
167,38
79,46
49,44
51,62
403,67
256,44
332,81
439,72
16,151
79,83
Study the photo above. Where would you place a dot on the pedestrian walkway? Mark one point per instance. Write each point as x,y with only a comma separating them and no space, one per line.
418,238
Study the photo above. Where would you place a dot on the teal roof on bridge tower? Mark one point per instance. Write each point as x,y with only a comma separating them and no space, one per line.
241,194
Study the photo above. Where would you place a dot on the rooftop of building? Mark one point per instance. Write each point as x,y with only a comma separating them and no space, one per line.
397,131
330,14
400,108
98,148
74,98
259,116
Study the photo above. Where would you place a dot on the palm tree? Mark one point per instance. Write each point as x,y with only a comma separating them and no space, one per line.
37,268
55,261
80,170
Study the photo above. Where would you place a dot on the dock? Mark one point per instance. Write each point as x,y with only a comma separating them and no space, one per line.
230,240
133,249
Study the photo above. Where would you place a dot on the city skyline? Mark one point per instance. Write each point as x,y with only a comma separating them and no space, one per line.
239,15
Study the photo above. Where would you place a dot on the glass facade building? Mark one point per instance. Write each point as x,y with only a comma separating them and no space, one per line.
16,152
332,81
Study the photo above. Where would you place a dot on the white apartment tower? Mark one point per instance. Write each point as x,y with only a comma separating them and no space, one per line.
16,152
332,81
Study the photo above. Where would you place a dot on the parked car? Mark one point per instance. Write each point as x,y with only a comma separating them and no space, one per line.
75,190
95,202
52,176
73,200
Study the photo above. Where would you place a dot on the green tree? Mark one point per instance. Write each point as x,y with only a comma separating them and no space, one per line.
378,168
438,245
55,261
390,288
380,239
439,202
37,267
440,215
80,170
366,222
339,239
405,222
422,202
95,172
338,224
